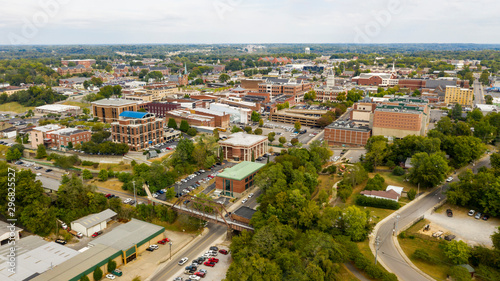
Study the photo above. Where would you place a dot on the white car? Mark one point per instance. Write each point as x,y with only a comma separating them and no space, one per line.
449,179
183,261
64,226
155,195
194,277
38,174
126,201
154,246
110,276
244,201
250,195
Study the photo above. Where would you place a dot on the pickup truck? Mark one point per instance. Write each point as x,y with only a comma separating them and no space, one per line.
77,234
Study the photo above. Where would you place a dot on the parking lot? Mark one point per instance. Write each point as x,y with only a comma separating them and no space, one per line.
467,228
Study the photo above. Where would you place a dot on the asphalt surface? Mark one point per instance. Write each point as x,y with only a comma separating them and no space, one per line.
478,93
388,253
191,252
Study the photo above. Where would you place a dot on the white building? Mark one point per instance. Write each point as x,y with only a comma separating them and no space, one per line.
92,223
58,109
238,115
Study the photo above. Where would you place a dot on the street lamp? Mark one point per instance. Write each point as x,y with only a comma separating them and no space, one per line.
170,243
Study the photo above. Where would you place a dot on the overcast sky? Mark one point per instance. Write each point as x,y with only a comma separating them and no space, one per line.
248,21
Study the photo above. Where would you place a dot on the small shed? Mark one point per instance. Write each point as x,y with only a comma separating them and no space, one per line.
90,224
398,189
470,269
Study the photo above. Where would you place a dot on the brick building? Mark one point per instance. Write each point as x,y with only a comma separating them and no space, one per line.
343,133
462,96
241,146
138,130
376,79
412,84
221,119
160,108
399,121
86,63
38,135
362,111
251,84
73,70
60,139
191,117
235,180
108,110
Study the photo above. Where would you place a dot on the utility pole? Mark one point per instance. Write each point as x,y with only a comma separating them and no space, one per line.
377,243
135,199
418,189
170,243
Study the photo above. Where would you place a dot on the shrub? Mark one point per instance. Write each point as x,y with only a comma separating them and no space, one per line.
375,183
192,132
459,273
423,256
376,202
398,171
390,164
84,278
411,194
87,163
97,273
111,265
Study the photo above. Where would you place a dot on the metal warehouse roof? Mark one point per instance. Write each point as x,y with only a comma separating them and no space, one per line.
34,257
80,263
241,171
95,219
245,212
133,114
125,236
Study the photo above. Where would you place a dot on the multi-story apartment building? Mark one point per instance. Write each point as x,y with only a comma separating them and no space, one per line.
73,70
305,117
138,130
347,134
86,63
399,121
161,108
38,135
108,110
191,117
462,96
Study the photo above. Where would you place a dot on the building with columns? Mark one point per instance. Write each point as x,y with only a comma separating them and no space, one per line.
240,146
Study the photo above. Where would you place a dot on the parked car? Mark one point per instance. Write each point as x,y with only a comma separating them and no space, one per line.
64,226
211,264
214,248
183,261
96,234
471,213
213,260
126,201
110,276
48,170
250,195
194,277
164,241
223,251
449,213
449,237
449,179
60,241
200,274
486,217
117,272
477,216
244,201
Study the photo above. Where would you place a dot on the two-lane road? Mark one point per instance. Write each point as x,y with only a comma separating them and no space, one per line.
388,252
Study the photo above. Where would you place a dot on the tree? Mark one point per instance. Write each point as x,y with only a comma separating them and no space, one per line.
258,131
456,111
459,273
297,126
485,78
261,123
398,171
411,194
255,117
235,129
253,156
87,175
192,132
488,99
355,223
311,95
428,170
13,155
111,265
97,273
457,251
84,278
103,175
282,140
184,127
172,124
41,152
70,145
378,151
248,129
86,111
271,136
294,141
495,161
495,238
215,132
224,77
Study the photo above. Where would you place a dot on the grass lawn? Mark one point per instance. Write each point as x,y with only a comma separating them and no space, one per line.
325,182
75,103
345,274
113,184
114,167
437,270
14,107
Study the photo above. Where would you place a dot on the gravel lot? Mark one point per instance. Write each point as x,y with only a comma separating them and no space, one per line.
468,229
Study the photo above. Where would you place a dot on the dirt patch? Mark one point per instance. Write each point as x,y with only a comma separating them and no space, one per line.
114,184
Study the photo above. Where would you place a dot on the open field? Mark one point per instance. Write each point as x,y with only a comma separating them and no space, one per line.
14,107
75,103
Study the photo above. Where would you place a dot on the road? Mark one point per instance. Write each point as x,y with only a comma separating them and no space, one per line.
388,253
478,93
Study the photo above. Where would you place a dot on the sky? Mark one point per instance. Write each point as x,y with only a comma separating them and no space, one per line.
31,22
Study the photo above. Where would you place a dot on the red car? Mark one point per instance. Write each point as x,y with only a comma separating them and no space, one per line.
96,234
107,195
201,274
214,260
164,241
222,251
207,263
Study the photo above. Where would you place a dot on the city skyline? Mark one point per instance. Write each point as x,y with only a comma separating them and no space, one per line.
238,21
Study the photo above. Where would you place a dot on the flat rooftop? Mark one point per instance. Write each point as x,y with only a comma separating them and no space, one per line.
93,219
241,171
243,139
34,257
113,102
245,212
47,128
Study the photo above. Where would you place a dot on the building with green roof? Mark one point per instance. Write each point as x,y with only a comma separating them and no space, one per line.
235,180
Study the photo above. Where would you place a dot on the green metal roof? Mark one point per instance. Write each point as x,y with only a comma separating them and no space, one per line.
241,171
